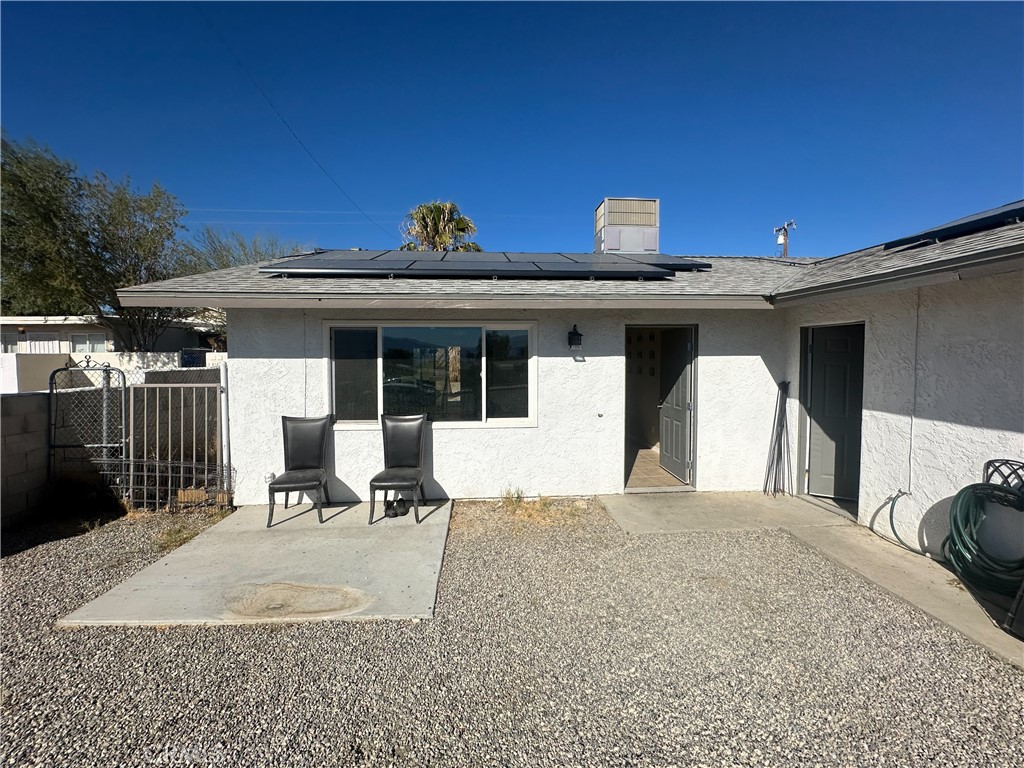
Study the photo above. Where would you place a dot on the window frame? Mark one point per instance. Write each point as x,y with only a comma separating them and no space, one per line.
530,326
10,340
90,337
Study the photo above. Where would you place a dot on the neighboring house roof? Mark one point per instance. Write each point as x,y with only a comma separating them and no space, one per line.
197,324
49,320
991,241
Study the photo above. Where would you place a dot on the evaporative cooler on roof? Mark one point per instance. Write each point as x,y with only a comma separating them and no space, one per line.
627,225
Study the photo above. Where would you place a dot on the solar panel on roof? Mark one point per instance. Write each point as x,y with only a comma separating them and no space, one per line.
675,263
335,267
414,255
539,258
978,222
338,255
476,257
488,264
472,267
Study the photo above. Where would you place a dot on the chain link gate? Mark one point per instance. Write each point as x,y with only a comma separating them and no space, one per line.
87,423
154,437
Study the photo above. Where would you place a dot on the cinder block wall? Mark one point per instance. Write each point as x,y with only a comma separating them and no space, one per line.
23,433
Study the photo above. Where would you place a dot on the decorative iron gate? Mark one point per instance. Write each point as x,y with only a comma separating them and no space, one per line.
156,437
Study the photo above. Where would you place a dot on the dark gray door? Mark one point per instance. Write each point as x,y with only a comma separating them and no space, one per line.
675,402
837,391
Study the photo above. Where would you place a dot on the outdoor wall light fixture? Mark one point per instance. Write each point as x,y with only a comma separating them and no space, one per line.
575,338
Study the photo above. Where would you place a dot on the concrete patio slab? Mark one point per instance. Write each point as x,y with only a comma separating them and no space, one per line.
918,580
672,513
241,572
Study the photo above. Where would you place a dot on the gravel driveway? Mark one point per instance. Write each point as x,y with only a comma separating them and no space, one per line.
553,644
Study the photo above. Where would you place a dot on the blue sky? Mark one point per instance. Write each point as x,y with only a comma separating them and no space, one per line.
861,121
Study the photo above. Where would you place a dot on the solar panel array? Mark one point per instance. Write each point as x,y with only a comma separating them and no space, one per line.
487,264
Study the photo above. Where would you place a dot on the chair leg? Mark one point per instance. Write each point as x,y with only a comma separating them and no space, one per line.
270,515
319,505
416,504
372,498
286,499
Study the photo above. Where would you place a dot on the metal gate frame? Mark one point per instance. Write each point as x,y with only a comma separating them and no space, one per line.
153,448
108,453
159,471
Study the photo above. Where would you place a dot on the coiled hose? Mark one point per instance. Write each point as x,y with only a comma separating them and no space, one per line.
964,552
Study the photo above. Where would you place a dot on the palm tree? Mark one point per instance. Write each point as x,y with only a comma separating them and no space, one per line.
438,226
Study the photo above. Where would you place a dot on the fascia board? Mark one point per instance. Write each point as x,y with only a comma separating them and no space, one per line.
277,301
1005,260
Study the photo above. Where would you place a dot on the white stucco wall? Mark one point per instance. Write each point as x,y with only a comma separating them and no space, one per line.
964,353
943,393
577,446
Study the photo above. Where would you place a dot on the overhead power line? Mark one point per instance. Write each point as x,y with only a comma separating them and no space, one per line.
286,210
198,8
271,221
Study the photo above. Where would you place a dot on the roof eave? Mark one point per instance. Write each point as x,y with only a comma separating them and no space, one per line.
1000,261
250,300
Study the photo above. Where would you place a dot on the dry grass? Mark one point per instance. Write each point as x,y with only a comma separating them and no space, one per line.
176,535
183,528
514,510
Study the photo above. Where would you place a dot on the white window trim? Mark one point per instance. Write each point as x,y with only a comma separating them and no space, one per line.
90,338
530,326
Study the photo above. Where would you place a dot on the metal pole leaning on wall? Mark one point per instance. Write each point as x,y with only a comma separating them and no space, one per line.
225,429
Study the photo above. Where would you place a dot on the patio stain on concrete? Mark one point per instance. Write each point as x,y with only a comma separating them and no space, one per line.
284,601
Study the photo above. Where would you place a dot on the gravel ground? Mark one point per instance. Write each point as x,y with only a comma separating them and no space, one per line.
557,641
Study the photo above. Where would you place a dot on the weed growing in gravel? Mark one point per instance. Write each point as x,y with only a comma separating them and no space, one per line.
512,500
523,514
183,531
175,536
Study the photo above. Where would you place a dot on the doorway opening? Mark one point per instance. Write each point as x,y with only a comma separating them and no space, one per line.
659,408
832,394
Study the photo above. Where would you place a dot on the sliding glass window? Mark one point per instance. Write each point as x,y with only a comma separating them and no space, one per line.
451,373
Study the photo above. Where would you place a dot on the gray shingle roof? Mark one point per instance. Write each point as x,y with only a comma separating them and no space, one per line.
728,276
748,279
880,262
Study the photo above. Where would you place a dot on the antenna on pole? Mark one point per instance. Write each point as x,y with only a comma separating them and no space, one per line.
782,236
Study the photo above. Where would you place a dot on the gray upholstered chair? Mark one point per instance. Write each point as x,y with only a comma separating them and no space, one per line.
403,460
305,452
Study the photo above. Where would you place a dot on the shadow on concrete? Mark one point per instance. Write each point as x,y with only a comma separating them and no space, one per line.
932,530
300,508
332,511
427,508
68,508
997,607
240,572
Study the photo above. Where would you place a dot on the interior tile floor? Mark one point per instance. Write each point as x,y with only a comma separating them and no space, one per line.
645,470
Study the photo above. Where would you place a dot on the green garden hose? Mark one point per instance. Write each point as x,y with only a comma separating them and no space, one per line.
964,552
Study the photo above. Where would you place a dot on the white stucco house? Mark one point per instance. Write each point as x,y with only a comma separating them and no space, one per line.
905,364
